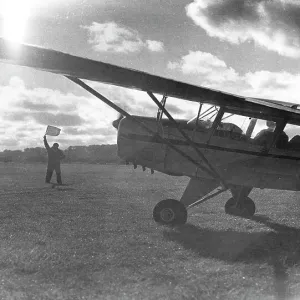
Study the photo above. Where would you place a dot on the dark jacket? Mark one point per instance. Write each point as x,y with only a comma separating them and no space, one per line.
265,138
54,155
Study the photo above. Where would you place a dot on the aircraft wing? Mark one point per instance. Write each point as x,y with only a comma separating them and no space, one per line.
74,66
283,103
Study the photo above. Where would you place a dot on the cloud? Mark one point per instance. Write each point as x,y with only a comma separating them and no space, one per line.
115,38
38,106
14,116
25,112
84,119
60,119
133,101
75,131
283,86
139,103
155,46
273,25
209,69
10,142
90,131
16,82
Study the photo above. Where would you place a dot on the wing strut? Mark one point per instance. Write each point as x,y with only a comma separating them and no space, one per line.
160,112
192,144
197,120
123,112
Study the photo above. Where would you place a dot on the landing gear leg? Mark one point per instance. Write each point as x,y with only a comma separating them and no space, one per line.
240,204
173,212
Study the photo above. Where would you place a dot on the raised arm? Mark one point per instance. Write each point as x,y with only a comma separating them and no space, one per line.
46,143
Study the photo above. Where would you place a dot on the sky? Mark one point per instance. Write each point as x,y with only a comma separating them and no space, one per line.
246,47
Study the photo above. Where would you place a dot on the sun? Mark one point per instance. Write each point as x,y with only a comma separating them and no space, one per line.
14,15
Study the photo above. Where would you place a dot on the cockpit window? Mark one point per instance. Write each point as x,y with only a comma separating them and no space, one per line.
207,115
292,130
234,123
262,126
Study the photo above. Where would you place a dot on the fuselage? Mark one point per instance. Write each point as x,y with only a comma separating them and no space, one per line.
237,160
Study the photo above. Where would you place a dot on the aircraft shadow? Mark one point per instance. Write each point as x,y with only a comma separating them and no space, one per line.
278,248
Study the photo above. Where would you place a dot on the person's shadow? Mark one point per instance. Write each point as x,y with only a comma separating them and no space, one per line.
279,248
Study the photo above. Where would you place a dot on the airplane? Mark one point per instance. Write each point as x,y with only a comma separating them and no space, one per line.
217,155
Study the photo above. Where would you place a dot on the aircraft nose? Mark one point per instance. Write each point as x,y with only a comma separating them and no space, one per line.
116,122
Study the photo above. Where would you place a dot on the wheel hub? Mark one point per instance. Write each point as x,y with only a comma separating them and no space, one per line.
170,212
167,215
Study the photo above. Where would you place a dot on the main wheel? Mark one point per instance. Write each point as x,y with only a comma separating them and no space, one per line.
170,212
246,208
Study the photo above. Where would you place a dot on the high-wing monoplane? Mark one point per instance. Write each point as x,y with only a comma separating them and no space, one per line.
233,143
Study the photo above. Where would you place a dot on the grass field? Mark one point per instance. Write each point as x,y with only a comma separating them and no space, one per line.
95,239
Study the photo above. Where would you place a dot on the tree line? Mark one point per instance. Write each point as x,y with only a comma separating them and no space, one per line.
99,154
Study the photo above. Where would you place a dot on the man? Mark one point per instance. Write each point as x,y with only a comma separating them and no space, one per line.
265,136
54,157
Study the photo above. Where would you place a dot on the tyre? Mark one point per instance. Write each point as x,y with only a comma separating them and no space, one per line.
245,208
170,212
230,206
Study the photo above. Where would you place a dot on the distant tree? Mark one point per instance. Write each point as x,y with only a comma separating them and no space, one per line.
37,154
101,154
11,155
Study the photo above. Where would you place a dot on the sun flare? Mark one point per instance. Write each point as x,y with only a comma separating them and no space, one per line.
14,15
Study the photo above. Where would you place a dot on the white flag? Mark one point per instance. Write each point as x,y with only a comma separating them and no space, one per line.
52,130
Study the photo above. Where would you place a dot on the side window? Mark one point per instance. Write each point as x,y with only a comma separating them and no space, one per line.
234,123
292,130
262,126
233,126
263,135
293,133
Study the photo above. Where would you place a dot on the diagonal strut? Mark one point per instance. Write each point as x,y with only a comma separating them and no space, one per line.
123,112
192,144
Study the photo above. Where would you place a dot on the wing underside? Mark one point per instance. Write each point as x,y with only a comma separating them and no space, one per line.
78,67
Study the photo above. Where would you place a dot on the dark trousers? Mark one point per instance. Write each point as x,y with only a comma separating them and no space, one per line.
50,172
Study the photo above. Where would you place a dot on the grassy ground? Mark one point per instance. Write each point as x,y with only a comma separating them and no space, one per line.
95,239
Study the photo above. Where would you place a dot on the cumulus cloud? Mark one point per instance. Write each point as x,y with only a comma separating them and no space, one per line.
155,46
25,112
84,119
116,38
283,86
209,69
60,119
27,104
10,142
273,25
91,131
14,116
139,103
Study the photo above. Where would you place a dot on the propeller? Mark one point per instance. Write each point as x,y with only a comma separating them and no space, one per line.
116,122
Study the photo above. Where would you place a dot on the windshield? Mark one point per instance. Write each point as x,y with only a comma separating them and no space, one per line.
235,123
206,116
